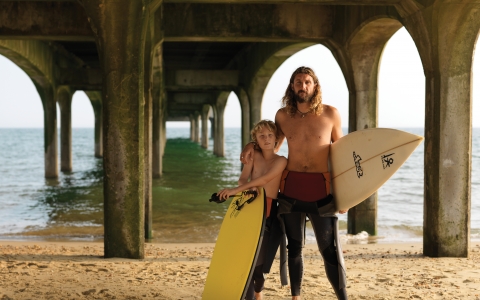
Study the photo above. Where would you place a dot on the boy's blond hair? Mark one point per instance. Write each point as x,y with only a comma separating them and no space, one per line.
270,125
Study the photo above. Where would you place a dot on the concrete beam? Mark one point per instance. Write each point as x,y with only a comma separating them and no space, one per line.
178,119
190,98
329,2
44,20
211,78
253,22
80,78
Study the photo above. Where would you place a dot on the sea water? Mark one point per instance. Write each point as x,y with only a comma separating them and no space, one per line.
71,207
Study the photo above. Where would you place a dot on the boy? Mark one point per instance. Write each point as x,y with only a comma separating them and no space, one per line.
264,170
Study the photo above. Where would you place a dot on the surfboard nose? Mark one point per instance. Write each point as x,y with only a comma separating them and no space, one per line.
362,161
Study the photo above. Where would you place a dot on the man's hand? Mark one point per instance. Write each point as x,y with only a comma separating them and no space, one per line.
247,153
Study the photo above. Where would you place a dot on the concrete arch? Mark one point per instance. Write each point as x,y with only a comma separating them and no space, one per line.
245,106
205,114
95,98
218,112
365,47
37,61
264,72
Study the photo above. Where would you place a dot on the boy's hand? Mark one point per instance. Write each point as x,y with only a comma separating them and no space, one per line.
225,193
247,153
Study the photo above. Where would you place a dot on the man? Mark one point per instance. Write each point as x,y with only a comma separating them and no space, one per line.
309,127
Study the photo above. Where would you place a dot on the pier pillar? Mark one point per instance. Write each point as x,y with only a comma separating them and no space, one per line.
147,123
446,44
212,124
245,105
119,27
64,99
192,127
98,112
158,115
196,120
219,137
364,51
205,112
50,131
96,101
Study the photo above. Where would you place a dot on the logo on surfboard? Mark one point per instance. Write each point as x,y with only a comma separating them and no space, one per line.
357,159
246,198
387,160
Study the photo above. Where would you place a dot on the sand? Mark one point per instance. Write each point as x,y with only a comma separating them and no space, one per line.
71,270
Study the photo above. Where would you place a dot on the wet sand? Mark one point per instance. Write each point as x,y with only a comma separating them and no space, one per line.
71,270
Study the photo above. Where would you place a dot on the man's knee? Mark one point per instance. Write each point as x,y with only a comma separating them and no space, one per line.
330,254
294,248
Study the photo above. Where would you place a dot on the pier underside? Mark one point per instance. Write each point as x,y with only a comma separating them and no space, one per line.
143,63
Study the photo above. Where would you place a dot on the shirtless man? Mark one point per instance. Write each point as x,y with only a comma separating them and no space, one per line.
265,170
309,127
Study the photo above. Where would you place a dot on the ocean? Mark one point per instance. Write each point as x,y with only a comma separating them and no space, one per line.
70,208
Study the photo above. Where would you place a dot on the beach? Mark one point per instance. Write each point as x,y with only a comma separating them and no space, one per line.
77,270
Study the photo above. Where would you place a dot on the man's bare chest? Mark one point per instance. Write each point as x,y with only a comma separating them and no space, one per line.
319,132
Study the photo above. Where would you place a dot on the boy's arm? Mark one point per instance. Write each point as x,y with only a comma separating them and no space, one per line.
277,169
246,171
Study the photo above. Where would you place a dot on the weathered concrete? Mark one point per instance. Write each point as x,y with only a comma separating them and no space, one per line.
195,79
205,113
245,106
364,50
446,43
44,20
192,126
260,63
159,110
219,137
96,101
114,23
64,99
274,22
36,59
196,119
148,127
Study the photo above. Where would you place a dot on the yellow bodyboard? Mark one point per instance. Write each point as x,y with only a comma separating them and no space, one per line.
236,249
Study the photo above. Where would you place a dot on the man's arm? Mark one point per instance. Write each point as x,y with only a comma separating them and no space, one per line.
337,132
277,169
280,134
246,172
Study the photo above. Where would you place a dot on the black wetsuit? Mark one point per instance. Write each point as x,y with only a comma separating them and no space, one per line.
293,186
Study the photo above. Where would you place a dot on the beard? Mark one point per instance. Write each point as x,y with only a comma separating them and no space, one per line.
303,98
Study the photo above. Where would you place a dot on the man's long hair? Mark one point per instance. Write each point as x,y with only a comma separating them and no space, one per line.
289,102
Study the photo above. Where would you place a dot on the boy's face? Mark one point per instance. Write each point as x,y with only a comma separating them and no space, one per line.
266,139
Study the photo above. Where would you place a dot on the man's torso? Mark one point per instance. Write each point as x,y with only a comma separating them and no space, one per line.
308,140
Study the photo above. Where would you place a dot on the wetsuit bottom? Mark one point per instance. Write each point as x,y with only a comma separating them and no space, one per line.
258,279
324,233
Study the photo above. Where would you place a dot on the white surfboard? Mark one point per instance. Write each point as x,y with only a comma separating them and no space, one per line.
362,161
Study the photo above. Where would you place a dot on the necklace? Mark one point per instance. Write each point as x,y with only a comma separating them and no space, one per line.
304,113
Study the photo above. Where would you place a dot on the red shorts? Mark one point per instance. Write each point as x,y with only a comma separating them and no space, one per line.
308,187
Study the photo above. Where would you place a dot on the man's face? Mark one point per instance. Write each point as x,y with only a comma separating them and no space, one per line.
303,87
265,138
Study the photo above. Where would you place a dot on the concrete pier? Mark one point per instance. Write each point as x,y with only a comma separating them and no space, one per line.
124,112
204,116
364,51
95,98
150,70
64,99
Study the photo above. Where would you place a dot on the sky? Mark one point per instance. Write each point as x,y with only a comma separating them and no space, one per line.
401,90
